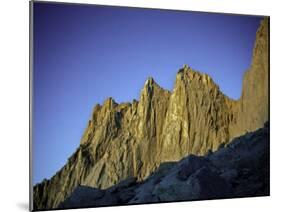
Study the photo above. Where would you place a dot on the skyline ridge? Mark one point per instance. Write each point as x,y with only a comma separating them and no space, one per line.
65,86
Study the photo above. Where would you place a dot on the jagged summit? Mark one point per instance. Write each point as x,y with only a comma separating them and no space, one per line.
187,76
149,81
149,84
132,140
184,68
183,71
109,103
186,71
152,90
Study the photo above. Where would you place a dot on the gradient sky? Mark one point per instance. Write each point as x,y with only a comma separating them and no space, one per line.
84,54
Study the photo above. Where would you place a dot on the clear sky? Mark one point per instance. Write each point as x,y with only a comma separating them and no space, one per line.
84,54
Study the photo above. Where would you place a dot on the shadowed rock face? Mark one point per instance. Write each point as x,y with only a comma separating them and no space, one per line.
133,139
240,169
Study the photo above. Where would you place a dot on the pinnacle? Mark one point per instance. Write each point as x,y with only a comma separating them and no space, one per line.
109,102
184,69
149,81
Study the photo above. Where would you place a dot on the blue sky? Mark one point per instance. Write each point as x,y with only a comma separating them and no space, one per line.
84,54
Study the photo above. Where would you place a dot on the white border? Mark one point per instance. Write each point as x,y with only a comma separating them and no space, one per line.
14,88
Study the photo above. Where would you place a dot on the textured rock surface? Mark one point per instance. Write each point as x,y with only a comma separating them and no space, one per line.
241,169
133,139
252,109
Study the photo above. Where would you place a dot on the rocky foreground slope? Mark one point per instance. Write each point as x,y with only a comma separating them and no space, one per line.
133,139
239,169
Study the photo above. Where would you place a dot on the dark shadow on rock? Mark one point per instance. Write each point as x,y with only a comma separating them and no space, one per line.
238,169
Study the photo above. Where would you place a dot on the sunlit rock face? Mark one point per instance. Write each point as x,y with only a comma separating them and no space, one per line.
237,169
133,139
253,105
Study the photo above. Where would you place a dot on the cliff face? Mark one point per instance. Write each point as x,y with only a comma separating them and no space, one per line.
253,104
239,169
132,139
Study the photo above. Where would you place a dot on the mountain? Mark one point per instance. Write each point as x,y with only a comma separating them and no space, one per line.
132,139
240,169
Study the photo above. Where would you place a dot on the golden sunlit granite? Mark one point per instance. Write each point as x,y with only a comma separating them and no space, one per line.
132,139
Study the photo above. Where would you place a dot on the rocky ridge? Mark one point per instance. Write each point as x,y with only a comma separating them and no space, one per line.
133,139
238,169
